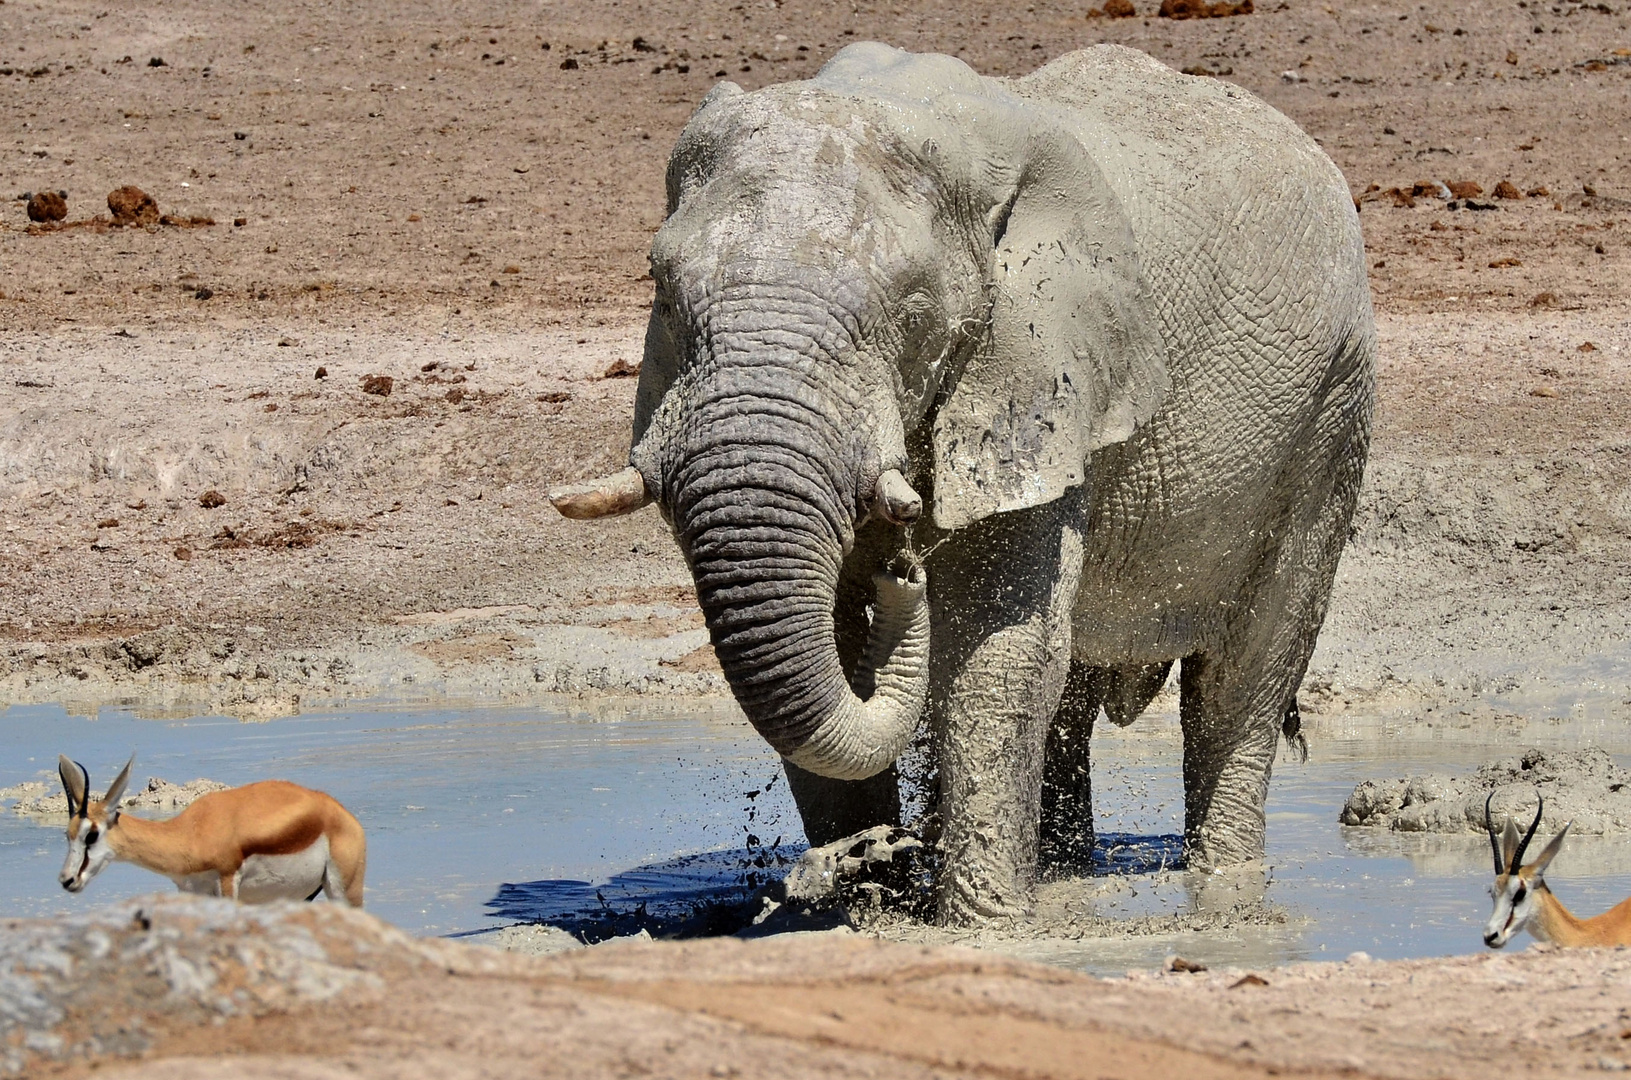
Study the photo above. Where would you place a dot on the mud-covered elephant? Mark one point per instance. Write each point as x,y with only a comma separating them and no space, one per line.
985,400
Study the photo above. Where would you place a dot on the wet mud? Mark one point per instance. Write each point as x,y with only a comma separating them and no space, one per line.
1585,788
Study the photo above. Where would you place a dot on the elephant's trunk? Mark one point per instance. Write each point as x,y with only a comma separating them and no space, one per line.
762,523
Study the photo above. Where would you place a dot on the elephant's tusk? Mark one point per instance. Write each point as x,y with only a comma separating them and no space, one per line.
896,500
622,492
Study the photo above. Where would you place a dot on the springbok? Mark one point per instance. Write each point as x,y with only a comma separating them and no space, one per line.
1523,902
271,840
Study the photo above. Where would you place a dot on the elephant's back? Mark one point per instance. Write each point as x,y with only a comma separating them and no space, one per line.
1150,125
1249,239
1202,164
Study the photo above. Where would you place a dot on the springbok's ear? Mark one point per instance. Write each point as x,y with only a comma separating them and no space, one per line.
1509,844
1544,859
75,782
1074,360
116,789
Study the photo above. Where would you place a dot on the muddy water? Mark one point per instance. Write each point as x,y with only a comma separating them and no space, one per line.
1339,890
456,802
486,815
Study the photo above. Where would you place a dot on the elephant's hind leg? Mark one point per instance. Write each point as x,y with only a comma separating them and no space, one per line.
1067,778
1231,722
1239,696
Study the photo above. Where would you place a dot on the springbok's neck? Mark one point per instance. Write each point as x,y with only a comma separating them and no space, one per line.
154,845
1555,923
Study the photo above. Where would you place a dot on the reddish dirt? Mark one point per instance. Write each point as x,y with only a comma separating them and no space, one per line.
475,191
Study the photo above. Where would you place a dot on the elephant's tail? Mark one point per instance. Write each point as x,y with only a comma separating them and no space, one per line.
1292,728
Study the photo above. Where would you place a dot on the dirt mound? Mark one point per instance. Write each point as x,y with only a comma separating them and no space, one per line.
197,987
159,798
48,206
1582,786
1200,9
130,205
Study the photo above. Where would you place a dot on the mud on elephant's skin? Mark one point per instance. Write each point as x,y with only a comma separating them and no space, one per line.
1112,323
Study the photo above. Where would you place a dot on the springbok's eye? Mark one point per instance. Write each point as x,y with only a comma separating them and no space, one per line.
90,837
1517,897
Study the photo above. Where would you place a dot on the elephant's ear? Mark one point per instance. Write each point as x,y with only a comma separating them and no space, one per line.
1073,359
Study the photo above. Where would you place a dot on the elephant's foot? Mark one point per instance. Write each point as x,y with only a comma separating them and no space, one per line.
1225,889
975,900
1224,819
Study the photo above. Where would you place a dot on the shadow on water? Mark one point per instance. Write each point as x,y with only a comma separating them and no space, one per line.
718,892
1130,853
712,892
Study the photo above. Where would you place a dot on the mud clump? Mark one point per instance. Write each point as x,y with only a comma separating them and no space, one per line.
212,499
378,385
621,369
130,205
1506,190
1584,786
1113,9
1464,189
46,206
1200,9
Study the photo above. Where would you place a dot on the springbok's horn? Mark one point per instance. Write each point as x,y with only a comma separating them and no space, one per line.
1517,856
85,800
1494,841
896,500
622,492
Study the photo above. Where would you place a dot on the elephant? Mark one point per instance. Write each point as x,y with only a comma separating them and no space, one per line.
976,403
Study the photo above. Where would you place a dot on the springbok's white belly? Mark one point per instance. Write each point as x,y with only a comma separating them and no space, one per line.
206,884
283,877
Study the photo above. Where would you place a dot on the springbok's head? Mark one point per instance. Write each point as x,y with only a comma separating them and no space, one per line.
88,822
1516,885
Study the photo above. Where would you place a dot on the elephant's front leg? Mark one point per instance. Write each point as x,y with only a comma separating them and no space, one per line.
1002,592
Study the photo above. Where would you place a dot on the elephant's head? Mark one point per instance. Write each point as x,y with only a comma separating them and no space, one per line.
897,254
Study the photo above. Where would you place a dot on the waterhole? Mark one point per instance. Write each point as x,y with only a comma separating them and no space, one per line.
606,818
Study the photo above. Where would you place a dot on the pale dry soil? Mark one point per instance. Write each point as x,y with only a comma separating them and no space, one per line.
183,987
427,193
441,199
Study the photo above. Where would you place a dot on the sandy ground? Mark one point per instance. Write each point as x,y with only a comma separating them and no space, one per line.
195,988
447,202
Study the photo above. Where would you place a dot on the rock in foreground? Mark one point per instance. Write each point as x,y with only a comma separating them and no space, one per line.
1583,786
182,987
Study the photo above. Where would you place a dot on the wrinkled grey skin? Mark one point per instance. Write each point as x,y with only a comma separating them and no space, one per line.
1112,323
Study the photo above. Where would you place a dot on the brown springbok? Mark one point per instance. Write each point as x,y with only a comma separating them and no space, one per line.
1523,902
271,840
